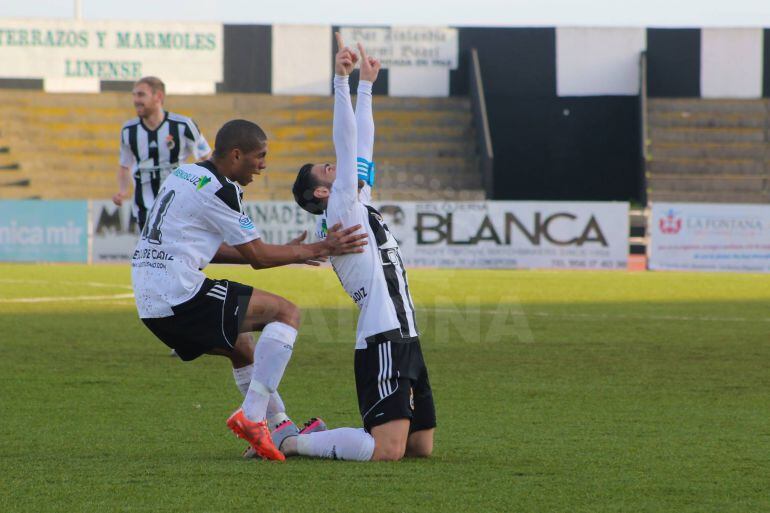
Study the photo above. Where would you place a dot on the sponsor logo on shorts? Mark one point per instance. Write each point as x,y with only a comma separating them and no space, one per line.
245,222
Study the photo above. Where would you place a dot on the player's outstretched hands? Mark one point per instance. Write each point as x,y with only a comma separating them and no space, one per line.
341,241
297,241
346,59
370,67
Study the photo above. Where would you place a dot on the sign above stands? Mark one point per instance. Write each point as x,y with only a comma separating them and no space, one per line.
412,47
67,55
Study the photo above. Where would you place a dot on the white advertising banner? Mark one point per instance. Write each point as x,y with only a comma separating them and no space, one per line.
412,47
115,232
511,234
280,221
483,234
710,237
75,55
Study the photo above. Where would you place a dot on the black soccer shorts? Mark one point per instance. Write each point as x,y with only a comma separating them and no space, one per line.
392,383
210,319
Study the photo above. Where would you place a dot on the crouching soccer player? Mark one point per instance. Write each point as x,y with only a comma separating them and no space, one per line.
394,394
198,219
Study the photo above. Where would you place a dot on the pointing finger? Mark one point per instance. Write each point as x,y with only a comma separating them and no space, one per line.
340,42
364,57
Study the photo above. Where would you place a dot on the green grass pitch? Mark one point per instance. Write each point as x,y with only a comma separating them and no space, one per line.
555,391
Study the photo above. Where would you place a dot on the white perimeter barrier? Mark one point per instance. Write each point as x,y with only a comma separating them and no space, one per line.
710,237
483,234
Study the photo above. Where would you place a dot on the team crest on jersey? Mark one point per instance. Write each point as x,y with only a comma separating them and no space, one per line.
245,222
390,256
170,142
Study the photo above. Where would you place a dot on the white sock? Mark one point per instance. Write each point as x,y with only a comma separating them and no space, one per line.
337,444
271,355
276,410
242,377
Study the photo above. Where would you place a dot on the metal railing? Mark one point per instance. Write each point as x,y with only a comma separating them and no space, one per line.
481,124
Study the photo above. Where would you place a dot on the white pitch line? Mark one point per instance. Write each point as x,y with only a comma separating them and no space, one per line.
64,298
96,284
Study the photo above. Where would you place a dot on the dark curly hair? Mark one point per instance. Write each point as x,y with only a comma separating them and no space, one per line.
303,189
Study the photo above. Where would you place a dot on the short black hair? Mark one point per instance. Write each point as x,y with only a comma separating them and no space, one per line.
303,189
241,134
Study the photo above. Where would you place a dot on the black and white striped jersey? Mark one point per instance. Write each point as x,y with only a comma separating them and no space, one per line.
375,279
153,154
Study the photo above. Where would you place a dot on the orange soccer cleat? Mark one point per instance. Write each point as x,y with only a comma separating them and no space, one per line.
256,433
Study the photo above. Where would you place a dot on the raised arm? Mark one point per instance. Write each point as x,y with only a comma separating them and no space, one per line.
370,68
345,187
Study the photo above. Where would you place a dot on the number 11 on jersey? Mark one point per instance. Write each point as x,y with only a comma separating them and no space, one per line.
151,231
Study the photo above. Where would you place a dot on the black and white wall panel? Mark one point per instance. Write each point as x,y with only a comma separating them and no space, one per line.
515,62
731,63
518,67
247,59
766,63
708,63
673,63
598,61
301,56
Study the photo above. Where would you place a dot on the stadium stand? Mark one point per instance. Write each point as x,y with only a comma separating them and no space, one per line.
704,150
66,145
10,171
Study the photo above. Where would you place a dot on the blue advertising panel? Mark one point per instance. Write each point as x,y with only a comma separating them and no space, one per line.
43,231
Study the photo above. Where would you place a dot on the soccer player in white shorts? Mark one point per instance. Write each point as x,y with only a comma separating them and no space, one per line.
394,393
198,219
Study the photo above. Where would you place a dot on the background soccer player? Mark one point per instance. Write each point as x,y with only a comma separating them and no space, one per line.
197,219
152,145
394,394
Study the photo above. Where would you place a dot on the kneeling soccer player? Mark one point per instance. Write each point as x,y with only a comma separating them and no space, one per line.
394,394
197,219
